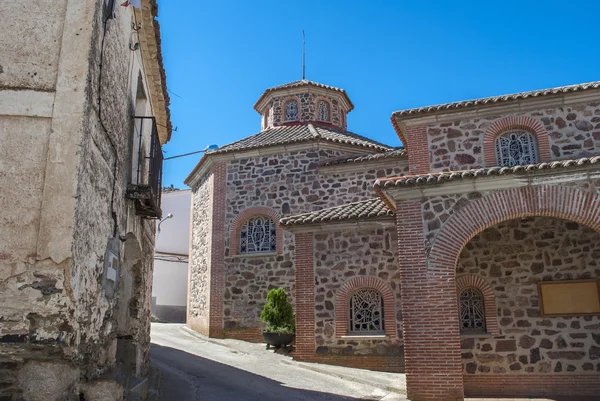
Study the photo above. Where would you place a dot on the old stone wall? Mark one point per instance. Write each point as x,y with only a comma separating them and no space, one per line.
573,131
288,183
200,253
356,184
513,257
61,325
339,257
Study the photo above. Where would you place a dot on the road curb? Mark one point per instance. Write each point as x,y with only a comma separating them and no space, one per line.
303,365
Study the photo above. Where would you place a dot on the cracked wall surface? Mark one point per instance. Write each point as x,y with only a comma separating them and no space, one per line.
65,163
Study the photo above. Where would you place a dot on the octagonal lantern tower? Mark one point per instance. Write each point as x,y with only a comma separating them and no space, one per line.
301,102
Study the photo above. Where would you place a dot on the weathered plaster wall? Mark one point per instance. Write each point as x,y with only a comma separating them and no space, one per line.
200,255
573,132
513,257
30,37
64,179
339,257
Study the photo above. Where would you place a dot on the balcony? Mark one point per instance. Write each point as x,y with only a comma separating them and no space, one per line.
146,177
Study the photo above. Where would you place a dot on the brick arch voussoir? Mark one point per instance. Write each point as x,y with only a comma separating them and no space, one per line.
240,219
561,202
489,299
515,122
342,298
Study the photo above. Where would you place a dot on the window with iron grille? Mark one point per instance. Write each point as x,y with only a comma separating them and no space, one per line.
472,312
516,148
291,111
324,112
258,235
366,312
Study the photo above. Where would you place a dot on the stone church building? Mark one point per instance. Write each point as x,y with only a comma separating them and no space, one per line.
467,259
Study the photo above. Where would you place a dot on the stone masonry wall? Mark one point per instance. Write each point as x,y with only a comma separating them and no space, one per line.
289,184
573,131
199,271
513,257
339,257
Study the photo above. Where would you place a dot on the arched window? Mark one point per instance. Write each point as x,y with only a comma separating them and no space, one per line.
366,312
324,111
516,148
472,312
291,111
258,234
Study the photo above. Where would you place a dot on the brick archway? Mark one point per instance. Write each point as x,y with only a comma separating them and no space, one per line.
342,298
240,219
562,202
489,300
515,122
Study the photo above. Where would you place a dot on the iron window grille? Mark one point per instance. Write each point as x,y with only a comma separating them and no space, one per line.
146,177
258,235
366,312
291,111
324,112
516,148
472,312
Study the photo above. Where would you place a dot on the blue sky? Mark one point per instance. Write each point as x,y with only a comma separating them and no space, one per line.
388,55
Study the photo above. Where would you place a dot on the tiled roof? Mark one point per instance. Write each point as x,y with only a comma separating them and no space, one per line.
497,99
435,178
300,133
352,211
365,158
303,82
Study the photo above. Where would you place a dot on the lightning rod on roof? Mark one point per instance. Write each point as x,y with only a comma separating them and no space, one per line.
303,55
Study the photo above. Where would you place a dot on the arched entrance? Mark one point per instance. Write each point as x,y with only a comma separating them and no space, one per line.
429,287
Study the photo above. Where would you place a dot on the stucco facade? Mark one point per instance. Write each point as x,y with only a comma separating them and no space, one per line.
75,257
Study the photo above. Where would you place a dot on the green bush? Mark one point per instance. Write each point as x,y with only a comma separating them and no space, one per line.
278,313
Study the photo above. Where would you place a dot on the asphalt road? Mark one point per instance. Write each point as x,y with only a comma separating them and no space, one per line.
193,369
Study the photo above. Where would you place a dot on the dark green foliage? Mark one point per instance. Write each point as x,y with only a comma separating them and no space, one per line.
278,313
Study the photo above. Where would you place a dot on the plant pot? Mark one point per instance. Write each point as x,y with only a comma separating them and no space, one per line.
278,340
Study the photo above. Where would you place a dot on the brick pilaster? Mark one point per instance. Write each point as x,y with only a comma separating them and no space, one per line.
418,150
430,316
305,297
217,258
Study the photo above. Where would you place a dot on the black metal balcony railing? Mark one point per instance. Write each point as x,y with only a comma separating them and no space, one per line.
146,177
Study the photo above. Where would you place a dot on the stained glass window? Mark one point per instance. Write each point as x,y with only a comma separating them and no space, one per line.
258,235
324,114
472,313
366,312
516,148
291,111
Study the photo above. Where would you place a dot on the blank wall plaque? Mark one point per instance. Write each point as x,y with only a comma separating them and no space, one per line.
569,298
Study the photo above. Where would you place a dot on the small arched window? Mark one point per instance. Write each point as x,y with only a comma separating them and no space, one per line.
324,111
366,312
516,148
291,111
472,312
258,235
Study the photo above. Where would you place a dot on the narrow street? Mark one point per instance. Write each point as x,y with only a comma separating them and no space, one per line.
194,369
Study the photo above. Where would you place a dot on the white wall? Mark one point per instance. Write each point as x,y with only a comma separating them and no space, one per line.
174,236
169,288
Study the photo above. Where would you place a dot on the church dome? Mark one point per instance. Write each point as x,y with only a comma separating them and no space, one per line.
301,102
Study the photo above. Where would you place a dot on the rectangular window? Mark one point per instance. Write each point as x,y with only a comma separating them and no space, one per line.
570,297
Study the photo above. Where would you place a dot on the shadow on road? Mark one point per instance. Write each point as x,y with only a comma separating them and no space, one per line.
188,377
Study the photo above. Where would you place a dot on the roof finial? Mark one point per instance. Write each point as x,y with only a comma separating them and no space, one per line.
303,55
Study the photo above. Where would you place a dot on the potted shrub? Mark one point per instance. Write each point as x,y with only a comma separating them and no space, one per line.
278,315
